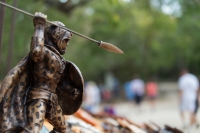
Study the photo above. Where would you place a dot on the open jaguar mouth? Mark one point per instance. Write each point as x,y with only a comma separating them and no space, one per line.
65,41
64,44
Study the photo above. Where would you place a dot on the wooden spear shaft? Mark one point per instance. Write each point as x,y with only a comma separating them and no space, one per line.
105,45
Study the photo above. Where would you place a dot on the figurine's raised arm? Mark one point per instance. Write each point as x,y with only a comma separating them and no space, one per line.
37,42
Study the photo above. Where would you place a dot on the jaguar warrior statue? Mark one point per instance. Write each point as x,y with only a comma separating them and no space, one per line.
43,85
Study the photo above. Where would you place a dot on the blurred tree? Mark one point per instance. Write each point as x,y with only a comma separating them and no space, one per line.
157,36
66,6
187,29
141,31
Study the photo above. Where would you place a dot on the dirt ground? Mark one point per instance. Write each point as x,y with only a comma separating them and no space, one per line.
166,112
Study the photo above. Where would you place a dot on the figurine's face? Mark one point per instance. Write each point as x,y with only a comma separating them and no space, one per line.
60,36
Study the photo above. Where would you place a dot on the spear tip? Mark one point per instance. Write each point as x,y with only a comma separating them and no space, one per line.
110,47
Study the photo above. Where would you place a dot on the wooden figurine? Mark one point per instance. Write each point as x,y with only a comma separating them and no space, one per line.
43,85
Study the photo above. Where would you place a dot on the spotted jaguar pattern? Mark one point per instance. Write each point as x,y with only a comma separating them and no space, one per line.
28,92
38,111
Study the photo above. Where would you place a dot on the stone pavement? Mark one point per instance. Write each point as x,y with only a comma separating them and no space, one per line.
166,113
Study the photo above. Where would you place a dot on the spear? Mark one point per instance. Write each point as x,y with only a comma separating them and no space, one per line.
105,45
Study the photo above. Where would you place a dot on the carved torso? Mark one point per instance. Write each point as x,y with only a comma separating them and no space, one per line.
47,73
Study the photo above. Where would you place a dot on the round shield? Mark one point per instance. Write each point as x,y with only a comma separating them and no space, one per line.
70,89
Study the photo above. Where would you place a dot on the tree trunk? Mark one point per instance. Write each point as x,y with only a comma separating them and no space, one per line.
12,30
2,10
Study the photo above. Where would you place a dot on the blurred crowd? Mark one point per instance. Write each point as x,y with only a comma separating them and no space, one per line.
99,97
137,90
111,90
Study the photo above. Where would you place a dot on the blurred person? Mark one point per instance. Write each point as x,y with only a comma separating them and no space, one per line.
109,86
197,105
152,91
101,87
138,88
116,88
197,100
188,87
92,97
128,92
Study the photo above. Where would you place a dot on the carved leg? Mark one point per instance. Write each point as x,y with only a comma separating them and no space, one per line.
36,115
58,121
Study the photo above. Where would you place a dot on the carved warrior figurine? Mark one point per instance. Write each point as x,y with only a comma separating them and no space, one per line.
43,85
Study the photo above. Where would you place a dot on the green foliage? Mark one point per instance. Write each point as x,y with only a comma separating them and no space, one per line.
154,43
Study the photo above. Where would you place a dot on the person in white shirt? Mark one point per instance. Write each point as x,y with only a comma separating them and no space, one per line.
92,97
138,87
188,87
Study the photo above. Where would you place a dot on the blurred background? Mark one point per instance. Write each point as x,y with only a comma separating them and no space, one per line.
158,37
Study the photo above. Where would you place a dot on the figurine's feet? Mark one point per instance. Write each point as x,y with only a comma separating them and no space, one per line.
54,131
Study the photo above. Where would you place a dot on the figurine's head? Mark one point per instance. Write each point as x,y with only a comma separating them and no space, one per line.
58,37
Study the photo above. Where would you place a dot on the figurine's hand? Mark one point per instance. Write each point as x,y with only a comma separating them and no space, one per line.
39,19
